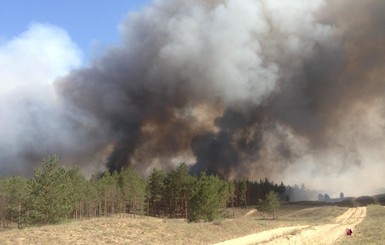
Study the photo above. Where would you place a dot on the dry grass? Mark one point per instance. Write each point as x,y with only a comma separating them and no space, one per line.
149,230
311,215
371,230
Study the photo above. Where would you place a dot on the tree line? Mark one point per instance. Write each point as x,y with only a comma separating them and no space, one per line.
55,193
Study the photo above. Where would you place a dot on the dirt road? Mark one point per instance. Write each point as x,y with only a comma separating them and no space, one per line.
320,234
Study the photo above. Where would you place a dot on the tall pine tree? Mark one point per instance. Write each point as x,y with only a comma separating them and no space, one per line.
51,194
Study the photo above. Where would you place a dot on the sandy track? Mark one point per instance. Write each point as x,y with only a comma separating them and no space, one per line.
321,234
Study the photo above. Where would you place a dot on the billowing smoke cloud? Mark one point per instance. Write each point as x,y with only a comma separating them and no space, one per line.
290,90
34,122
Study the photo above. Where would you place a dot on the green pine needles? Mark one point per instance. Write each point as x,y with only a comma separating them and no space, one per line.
55,193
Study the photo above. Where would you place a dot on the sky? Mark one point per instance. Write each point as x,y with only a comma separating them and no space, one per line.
89,23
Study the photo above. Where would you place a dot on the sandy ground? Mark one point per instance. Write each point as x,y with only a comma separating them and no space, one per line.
251,212
318,234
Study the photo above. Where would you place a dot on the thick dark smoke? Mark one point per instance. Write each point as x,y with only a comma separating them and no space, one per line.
290,90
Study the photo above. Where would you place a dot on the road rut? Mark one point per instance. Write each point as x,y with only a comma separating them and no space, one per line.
319,234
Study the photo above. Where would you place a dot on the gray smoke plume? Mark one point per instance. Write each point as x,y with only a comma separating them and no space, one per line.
290,90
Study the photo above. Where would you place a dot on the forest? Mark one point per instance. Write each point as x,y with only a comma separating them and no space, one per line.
54,193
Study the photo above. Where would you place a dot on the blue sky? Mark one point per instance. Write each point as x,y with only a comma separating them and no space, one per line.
88,22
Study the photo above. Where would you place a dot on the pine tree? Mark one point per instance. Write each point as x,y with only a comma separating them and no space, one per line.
92,198
178,185
156,190
243,192
207,198
13,193
108,192
78,185
51,197
269,204
133,191
231,191
3,203
186,182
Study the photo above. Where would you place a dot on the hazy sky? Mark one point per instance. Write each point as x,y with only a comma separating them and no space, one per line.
88,22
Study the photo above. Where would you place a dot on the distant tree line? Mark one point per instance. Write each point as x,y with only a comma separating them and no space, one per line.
299,193
55,193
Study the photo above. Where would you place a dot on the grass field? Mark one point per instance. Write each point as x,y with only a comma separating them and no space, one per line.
149,230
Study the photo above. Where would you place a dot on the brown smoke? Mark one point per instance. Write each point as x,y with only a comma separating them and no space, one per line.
281,89
241,88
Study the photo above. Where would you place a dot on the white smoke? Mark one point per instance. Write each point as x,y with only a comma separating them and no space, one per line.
34,122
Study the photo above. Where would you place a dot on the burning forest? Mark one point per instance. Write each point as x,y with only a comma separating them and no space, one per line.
289,90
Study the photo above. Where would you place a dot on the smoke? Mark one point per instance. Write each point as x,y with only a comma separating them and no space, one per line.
290,90
34,122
